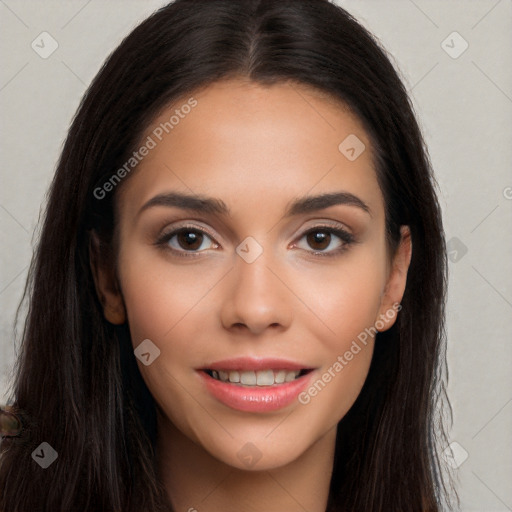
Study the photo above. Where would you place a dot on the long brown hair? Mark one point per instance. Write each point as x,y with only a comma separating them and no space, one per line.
77,384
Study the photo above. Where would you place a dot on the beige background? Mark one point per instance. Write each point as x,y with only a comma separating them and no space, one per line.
465,108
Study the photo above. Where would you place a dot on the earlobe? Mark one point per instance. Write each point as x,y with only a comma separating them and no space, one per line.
395,286
105,282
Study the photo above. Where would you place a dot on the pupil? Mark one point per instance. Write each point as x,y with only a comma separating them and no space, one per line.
319,239
190,239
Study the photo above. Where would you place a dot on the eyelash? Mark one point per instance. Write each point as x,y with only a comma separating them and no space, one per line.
163,240
346,238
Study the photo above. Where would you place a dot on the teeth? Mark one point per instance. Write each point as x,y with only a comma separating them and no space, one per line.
265,378
290,376
234,377
248,378
260,378
279,377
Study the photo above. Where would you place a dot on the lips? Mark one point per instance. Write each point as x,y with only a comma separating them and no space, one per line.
255,385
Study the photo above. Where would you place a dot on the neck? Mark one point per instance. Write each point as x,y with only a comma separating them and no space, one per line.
197,481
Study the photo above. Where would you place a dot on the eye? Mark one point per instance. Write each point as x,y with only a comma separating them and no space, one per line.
187,240
325,240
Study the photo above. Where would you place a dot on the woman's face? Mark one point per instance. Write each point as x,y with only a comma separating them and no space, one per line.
252,250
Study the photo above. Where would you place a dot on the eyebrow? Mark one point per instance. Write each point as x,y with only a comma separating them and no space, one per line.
309,204
194,202
301,205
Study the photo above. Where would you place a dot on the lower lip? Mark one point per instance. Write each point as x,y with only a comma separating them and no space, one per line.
254,398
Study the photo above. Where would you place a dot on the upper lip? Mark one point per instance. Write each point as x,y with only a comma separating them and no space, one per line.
255,364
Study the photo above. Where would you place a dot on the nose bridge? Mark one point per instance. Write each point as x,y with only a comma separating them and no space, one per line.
256,298
255,279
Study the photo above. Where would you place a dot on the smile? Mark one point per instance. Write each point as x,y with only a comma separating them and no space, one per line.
255,385
259,378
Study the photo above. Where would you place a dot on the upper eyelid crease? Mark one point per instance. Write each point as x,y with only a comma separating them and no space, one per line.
174,230
216,206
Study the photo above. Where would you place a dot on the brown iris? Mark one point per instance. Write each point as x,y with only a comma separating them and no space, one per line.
189,240
319,240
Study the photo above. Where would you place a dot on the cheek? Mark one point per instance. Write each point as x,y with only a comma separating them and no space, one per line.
168,305
336,387
346,297
161,297
171,306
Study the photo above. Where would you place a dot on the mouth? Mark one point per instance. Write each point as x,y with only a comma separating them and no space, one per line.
255,385
259,378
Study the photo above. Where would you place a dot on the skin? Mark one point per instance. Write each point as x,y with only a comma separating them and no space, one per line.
257,149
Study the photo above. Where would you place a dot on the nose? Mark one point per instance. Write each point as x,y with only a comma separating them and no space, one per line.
256,299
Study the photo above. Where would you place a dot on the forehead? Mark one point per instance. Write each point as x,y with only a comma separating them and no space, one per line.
246,142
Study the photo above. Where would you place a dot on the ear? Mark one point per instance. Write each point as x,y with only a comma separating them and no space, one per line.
395,286
105,281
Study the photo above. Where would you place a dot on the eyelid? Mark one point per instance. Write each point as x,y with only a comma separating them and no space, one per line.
338,229
170,231
328,225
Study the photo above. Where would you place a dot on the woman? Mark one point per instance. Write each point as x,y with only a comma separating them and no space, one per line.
238,295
